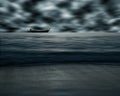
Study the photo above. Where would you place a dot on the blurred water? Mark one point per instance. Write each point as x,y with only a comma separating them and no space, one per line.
60,80
60,15
68,64
24,48
61,42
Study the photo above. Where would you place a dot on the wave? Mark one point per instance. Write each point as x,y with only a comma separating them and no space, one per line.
41,58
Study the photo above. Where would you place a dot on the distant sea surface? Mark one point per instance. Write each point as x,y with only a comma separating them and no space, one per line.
52,48
68,64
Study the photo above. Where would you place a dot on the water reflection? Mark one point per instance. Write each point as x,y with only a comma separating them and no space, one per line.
60,80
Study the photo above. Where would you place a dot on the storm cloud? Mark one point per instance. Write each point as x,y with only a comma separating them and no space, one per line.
60,15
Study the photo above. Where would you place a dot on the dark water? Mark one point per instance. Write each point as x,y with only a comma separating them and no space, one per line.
60,80
73,64
54,48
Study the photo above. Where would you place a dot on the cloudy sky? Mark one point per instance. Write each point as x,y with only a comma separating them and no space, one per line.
60,15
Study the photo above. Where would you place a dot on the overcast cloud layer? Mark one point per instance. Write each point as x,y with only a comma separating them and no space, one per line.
60,15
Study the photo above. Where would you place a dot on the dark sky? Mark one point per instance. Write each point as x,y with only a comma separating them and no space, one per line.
60,15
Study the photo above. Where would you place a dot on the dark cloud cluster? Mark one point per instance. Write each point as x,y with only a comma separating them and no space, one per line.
60,15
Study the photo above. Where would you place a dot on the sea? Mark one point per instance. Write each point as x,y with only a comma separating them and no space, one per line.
60,64
52,48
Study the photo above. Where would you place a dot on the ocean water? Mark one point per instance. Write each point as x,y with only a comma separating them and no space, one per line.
52,48
60,64
60,80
